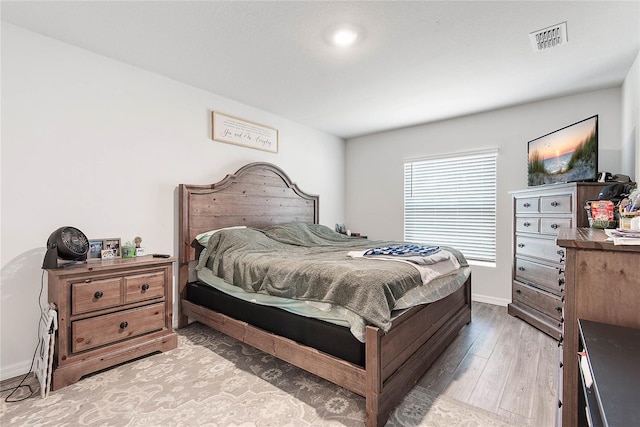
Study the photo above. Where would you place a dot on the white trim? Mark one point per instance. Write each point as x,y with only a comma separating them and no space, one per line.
14,370
495,151
490,300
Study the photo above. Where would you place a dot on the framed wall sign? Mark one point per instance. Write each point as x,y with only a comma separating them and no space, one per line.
233,130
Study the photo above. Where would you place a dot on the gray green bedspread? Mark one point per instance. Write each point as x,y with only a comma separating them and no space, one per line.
309,262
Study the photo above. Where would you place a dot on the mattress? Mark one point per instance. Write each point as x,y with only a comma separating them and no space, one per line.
330,313
324,336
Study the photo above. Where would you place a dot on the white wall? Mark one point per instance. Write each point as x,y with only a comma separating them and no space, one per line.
101,145
374,171
631,122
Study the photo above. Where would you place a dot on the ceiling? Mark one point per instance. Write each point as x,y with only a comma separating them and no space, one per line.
415,62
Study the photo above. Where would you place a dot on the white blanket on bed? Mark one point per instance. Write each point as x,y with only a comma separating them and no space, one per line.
430,267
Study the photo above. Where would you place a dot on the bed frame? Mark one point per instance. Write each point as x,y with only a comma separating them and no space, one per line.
261,194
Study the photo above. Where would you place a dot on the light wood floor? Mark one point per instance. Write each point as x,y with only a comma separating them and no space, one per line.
501,364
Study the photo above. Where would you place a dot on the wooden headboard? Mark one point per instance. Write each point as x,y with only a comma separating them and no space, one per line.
257,195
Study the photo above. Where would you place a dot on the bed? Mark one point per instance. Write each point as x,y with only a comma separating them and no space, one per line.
382,365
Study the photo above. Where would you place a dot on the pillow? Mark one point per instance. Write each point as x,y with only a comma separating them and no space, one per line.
203,238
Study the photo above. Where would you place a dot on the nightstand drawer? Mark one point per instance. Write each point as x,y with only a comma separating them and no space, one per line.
97,331
144,286
95,295
548,304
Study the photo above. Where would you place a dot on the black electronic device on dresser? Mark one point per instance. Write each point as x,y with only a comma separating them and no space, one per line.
609,364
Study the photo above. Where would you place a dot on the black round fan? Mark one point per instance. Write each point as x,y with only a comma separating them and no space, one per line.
67,244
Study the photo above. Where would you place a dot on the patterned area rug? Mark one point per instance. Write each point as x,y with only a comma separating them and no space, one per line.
214,380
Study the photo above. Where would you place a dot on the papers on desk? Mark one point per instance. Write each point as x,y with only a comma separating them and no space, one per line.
623,237
586,372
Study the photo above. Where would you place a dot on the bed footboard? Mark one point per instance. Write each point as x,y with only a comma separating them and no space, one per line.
397,360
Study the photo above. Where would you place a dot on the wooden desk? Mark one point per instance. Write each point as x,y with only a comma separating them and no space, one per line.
602,285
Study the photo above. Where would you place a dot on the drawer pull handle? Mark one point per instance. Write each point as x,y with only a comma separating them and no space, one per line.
521,245
561,271
526,205
559,403
561,281
554,204
98,295
521,268
559,309
123,325
527,224
560,252
554,225
561,364
518,291
145,287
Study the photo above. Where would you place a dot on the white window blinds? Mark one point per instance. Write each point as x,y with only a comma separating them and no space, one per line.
451,201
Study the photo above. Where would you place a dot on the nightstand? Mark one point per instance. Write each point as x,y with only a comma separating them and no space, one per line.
110,312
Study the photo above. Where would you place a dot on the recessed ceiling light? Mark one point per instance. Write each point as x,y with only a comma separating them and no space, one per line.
344,37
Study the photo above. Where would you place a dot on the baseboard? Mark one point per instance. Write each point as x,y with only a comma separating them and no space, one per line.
490,300
14,370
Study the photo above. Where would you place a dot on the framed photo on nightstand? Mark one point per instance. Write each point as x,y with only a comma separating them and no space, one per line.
98,248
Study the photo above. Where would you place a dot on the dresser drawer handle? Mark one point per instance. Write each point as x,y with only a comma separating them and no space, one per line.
559,403
560,252
527,224
561,271
561,281
554,225
98,295
521,245
561,364
145,287
521,268
554,204
123,325
518,291
559,309
526,205
560,341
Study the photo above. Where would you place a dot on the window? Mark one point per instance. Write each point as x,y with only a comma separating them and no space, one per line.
451,200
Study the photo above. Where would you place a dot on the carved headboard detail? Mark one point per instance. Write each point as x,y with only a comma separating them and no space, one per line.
257,195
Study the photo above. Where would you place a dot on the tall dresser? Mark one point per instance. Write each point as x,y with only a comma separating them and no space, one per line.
538,263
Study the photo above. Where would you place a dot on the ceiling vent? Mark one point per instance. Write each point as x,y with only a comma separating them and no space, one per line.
550,37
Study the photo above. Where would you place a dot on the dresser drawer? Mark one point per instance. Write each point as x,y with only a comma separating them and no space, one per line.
92,295
144,286
544,249
539,275
551,225
555,204
527,205
545,302
100,330
528,225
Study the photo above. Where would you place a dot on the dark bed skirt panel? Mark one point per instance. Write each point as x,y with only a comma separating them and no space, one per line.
326,337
